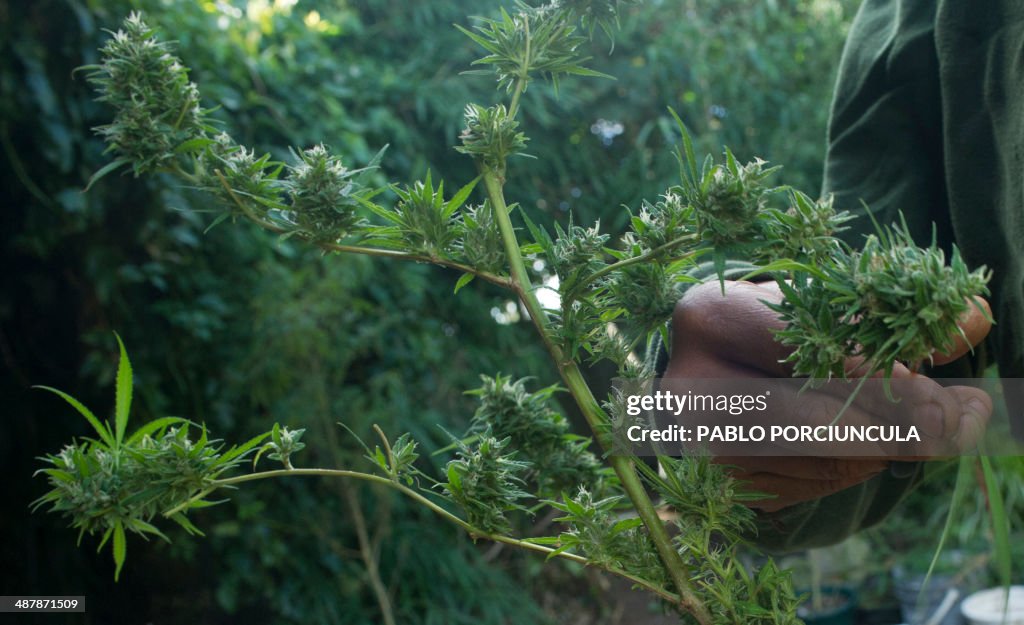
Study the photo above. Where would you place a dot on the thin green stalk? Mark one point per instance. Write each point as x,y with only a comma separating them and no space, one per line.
524,74
472,530
588,405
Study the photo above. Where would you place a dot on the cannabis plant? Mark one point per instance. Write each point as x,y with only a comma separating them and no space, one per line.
889,301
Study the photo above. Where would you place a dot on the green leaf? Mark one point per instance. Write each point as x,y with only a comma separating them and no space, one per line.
123,395
205,503
153,426
193,145
106,169
960,490
785,265
464,280
1000,521
235,452
691,158
144,528
460,197
183,521
219,219
377,158
101,429
583,71
106,536
482,42
120,549
626,524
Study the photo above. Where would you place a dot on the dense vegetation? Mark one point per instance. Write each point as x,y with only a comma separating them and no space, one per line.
239,332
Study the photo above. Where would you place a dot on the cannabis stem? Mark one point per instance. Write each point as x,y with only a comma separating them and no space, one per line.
524,73
588,405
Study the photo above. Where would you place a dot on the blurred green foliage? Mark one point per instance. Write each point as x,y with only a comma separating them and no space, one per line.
238,330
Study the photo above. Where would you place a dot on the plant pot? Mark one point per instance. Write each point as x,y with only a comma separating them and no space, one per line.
986,607
840,607
919,607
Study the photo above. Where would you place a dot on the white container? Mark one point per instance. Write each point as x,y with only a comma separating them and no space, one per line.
985,607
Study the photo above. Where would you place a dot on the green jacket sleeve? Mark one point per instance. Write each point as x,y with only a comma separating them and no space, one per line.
927,120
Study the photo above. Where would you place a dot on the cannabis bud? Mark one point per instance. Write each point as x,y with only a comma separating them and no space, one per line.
912,295
486,483
647,292
324,194
893,301
282,444
730,201
594,528
491,136
805,232
481,239
558,459
576,251
235,175
661,224
157,106
426,222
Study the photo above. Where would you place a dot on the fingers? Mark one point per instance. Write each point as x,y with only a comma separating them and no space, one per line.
975,324
739,326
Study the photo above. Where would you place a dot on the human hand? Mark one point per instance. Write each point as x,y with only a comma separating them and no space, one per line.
730,335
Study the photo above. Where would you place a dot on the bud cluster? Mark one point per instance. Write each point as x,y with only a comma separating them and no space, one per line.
100,487
559,460
661,225
324,194
486,482
157,106
892,301
481,244
594,528
491,136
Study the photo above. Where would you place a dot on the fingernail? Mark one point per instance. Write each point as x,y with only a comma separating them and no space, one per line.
929,418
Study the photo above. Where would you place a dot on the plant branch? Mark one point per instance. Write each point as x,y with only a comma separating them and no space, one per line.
501,281
472,530
646,256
